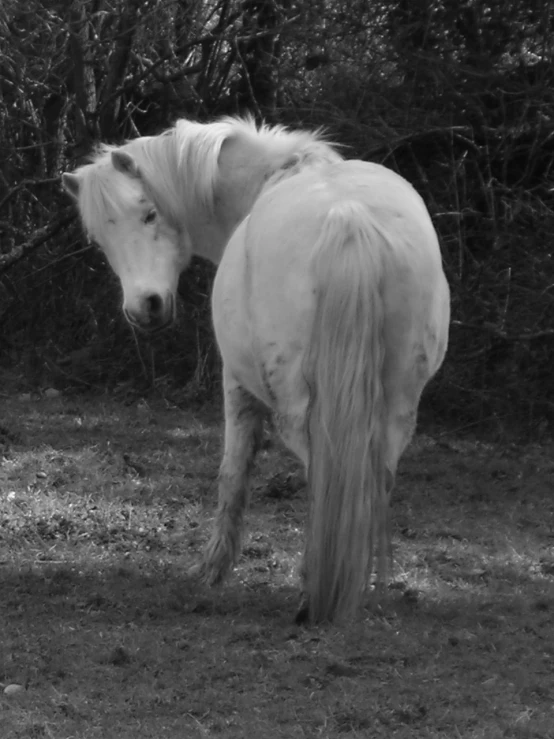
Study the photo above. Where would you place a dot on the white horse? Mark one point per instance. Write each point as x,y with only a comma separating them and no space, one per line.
330,308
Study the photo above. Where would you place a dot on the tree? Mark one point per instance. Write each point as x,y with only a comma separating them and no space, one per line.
456,96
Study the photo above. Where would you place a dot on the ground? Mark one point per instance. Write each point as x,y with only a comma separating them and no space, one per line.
105,505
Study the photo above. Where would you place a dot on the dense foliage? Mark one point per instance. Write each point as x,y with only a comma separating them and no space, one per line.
457,95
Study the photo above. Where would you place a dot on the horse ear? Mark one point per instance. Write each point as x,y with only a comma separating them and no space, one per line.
71,183
125,163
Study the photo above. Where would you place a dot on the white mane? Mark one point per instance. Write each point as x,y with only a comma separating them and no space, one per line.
179,168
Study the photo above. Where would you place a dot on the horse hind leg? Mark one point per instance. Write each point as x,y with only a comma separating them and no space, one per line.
291,427
404,390
243,434
401,424
401,428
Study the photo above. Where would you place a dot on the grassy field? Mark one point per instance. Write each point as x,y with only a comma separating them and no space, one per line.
104,506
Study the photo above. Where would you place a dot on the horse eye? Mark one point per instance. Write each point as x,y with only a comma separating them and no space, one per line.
150,217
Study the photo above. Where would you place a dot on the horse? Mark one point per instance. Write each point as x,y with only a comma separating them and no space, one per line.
330,308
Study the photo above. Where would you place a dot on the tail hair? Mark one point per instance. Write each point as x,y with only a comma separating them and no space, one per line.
346,419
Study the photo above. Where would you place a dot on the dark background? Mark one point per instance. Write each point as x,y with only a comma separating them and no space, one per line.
456,95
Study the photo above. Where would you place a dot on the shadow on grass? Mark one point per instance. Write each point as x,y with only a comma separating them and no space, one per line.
137,649
143,591
70,424
149,589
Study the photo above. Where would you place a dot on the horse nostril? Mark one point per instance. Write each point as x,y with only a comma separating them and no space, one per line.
154,304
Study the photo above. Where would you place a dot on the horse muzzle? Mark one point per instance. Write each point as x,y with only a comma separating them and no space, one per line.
151,312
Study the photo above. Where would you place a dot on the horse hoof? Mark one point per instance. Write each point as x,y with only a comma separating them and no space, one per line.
207,574
202,573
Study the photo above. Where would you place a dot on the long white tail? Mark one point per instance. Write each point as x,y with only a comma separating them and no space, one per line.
346,420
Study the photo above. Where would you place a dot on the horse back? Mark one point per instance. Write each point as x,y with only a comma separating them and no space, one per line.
265,293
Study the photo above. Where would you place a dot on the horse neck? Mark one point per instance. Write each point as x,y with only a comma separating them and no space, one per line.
245,165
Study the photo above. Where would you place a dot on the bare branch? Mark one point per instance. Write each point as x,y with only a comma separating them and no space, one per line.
490,328
37,239
150,69
26,183
83,77
118,65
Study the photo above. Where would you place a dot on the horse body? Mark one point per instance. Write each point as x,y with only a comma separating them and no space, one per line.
265,302
330,308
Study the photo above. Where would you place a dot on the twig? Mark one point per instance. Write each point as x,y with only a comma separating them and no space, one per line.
37,239
495,331
139,354
27,183
248,81
185,71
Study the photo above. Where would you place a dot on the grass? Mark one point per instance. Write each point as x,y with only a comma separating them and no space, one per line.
104,506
